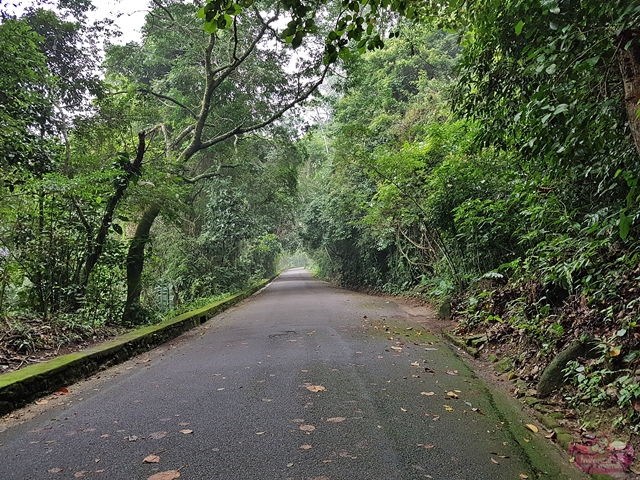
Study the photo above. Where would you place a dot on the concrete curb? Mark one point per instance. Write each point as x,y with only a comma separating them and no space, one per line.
27,384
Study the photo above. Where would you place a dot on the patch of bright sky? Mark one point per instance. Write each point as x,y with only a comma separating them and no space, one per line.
128,15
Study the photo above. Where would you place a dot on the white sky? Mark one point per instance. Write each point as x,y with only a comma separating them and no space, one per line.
127,14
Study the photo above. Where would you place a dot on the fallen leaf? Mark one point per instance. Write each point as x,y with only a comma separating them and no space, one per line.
403,409
62,391
336,419
260,433
531,427
186,431
44,401
495,461
316,388
452,372
157,435
54,470
428,446
415,364
183,424
615,351
80,474
435,418
106,435
452,395
448,408
551,435
168,475
522,475
477,410
409,328
397,349
636,404
151,459
427,394
132,438
526,439
305,447
289,465
307,428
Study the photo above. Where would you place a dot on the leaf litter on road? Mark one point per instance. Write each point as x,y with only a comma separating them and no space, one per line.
168,475
315,388
336,419
307,428
151,459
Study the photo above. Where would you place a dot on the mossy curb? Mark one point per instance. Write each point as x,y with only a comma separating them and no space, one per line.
461,344
25,385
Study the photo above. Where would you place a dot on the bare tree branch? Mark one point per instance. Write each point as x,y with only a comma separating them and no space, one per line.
172,100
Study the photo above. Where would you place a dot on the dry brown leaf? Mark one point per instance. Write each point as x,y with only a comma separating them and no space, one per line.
452,395
157,435
427,394
80,474
477,410
397,349
532,427
307,428
305,447
495,461
62,391
106,435
615,351
336,419
54,470
44,401
168,475
316,388
151,459
186,431
427,446
452,372
415,364
522,475
636,404
403,409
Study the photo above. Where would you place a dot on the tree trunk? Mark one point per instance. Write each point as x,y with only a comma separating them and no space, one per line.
122,183
630,68
135,262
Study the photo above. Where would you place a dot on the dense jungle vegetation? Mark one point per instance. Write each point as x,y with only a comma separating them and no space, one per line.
481,155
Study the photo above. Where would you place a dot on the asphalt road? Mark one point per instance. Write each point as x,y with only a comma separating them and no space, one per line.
301,381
